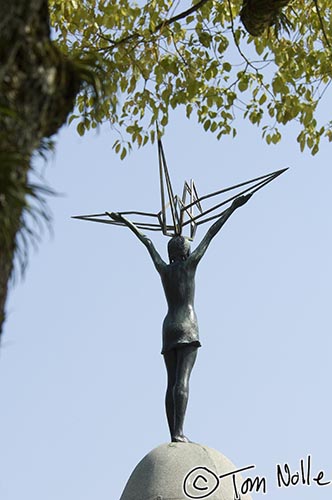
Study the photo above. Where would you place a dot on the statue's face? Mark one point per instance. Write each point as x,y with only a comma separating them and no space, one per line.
178,249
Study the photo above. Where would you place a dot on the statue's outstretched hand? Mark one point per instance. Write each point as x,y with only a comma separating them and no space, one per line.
241,200
115,216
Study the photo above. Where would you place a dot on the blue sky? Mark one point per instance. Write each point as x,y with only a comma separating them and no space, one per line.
81,375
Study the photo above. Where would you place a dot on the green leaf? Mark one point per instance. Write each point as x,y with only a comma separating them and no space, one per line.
71,118
243,85
80,128
123,153
262,99
206,125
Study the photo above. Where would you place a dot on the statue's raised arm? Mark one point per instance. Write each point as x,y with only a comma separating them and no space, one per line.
215,228
156,258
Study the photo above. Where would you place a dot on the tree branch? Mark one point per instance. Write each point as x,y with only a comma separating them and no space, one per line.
183,14
322,24
163,24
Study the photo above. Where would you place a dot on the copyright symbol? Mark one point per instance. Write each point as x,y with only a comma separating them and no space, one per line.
200,482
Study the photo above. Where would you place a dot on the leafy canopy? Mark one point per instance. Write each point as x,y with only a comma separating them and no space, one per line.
149,58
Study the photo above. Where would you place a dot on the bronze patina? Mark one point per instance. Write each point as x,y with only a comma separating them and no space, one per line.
180,327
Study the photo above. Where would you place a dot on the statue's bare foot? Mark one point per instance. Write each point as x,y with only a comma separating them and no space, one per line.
180,439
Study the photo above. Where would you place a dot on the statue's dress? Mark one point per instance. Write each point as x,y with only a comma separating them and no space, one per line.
180,327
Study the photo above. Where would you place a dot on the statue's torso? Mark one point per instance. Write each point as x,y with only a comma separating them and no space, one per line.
180,324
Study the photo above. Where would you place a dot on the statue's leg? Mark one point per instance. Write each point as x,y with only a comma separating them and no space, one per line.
186,357
170,362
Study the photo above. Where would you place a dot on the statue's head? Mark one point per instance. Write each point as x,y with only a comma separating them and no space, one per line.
178,248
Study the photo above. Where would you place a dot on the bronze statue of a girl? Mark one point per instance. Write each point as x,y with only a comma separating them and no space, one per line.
180,327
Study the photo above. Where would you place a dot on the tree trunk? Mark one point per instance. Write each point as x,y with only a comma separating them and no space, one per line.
38,86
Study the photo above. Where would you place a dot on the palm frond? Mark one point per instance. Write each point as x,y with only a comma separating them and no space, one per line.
24,210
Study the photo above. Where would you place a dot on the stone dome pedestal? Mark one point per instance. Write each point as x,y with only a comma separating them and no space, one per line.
183,471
